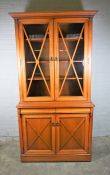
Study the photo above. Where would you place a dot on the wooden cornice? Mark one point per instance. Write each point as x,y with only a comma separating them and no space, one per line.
24,15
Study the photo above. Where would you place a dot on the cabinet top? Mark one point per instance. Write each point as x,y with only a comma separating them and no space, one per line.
85,13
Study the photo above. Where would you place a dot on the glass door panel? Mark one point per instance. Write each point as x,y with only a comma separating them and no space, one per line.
38,51
70,64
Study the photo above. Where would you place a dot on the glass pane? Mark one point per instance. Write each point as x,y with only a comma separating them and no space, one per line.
71,59
36,43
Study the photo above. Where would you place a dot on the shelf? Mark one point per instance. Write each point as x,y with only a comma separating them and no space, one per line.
73,61
36,39
41,39
30,62
36,50
39,78
45,61
40,61
48,78
70,78
72,39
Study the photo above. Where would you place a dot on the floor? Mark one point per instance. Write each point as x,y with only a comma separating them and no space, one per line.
11,165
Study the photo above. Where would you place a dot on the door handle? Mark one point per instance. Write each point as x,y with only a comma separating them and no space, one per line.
58,124
56,59
55,124
51,58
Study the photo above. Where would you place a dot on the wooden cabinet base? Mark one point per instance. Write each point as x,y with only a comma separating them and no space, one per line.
55,135
56,158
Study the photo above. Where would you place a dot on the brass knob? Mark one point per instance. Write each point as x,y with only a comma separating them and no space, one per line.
58,124
55,124
51,59
56,59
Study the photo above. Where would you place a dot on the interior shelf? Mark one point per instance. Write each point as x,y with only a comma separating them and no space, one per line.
39,78
40,61
75,61
45,61
36,39
41,39
48,78
36,50
72,78
72,38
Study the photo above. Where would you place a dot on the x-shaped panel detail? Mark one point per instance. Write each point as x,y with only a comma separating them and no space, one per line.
71,60
37,60
71,134
38,135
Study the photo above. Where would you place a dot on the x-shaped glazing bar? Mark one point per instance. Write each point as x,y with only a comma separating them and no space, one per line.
38,135
71,60
72,133
37,60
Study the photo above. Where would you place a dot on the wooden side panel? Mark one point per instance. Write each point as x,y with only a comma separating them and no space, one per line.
20,131
89,58
72,133
18,59
38,134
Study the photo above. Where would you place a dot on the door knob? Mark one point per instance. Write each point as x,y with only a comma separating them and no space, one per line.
58,124
55,124
55,59
51,59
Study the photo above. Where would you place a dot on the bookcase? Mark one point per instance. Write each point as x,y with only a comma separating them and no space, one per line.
55,111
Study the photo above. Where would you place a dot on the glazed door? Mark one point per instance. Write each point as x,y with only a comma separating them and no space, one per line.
36,53
38,134
71,58
72,133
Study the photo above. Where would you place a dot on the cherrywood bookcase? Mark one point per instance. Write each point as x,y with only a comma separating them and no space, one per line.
55,111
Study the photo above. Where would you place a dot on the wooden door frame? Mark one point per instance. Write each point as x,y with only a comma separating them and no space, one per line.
26,116
86,54
86,134
21,59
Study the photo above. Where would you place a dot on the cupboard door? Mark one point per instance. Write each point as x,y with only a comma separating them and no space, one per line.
36,51
72,133
38,134
71,53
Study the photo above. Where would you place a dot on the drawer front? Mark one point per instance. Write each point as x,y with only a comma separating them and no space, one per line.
72,134
56,110
38,134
